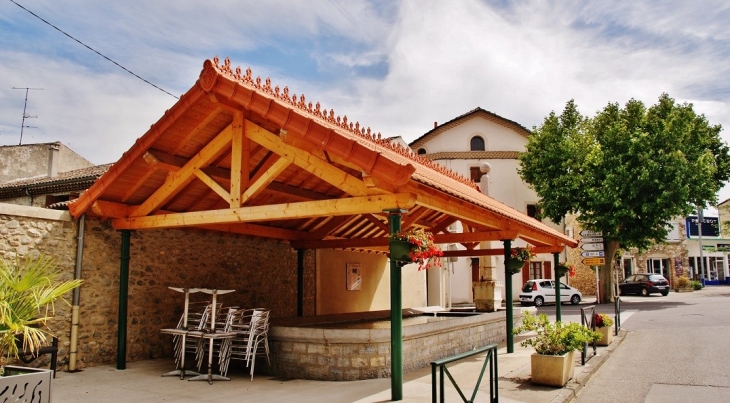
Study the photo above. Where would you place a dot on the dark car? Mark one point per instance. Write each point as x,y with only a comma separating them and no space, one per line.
644,284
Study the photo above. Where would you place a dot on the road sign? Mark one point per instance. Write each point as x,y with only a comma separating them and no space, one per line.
592,246
592,254
594,261
585,232
592,240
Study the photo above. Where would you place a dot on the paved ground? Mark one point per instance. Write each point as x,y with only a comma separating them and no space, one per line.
141,382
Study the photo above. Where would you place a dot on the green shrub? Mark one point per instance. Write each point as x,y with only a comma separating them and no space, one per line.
696,285
554,338
682,282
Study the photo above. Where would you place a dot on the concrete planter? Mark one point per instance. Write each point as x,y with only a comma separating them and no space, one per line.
552,370
606,335
21,384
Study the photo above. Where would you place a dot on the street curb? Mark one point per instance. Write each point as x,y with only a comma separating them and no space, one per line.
583,375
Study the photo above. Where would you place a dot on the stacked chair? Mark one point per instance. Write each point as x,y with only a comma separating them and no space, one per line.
251,327
197,316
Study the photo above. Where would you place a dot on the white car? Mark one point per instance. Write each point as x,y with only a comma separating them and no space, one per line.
542,290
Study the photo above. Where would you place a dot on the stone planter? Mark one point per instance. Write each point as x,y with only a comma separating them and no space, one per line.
606,335
21,384
552,370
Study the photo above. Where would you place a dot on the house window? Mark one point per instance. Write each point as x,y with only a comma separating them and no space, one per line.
627,268
535,270
476,174
533,211
476,144
421,151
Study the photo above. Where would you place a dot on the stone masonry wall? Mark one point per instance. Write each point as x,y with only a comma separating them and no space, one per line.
26,232
263,273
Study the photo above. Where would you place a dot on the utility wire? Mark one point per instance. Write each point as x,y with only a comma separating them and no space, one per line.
93,50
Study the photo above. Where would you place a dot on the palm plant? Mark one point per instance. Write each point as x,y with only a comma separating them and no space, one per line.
28,291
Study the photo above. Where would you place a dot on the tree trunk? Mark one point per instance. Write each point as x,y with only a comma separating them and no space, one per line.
606,272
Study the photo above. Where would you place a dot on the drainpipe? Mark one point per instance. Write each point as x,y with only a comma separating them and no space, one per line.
76,294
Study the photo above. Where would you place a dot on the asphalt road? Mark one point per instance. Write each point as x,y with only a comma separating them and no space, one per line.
676,350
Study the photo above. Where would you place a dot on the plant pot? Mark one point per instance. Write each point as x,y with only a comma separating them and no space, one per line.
562,270
606,335
514,265
552,370
21,384
399,250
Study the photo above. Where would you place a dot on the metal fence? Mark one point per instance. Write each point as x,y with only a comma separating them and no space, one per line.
591,324
437,385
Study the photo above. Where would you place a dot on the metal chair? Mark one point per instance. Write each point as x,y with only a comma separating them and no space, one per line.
252,328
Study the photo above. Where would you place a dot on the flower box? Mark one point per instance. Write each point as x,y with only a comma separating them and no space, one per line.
400,250
21,384
606,335
552,370
415,246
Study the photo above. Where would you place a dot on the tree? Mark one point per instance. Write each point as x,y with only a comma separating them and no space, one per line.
627,171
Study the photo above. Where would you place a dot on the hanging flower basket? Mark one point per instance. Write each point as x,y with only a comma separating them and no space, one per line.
415,246
562,269
514,265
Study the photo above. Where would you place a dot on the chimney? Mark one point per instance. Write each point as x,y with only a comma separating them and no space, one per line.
53,150
435,124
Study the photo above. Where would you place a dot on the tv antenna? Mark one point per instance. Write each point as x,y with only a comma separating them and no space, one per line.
25,115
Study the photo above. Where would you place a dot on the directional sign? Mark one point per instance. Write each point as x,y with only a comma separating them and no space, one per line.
592,246
594,261
592,254
585,232
592,240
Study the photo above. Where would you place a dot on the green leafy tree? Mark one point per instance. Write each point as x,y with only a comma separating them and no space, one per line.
627,171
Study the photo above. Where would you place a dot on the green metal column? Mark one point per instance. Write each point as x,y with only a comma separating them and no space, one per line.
558,316
508,296
123,291
300,282
396,316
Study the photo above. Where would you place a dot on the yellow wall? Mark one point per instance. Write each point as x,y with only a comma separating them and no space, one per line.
374,295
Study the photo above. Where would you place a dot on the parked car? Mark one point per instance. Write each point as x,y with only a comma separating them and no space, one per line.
644,284
541,291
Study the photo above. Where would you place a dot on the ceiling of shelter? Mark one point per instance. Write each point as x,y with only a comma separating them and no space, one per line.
235,154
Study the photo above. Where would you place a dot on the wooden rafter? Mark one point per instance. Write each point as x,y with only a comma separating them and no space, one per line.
178,180
238,170
264,177
309,162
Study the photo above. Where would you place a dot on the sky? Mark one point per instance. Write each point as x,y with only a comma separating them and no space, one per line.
394,66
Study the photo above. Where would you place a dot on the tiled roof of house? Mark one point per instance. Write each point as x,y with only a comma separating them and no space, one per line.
473,155
78,179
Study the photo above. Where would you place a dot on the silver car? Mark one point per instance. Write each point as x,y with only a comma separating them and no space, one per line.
542,290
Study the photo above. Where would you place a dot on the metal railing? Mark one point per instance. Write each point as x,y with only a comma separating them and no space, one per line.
617,314
591,324
437,387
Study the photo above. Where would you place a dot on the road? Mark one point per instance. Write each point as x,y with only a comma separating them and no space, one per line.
676,349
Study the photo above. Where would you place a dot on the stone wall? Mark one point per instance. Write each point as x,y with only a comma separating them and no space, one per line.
27,232
263,273
335,353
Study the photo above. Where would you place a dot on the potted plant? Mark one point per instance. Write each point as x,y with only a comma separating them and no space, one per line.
415,246
682,284
553,362
603,324
518,257
28,291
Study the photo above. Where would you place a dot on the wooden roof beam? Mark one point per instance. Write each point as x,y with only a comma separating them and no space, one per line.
287,211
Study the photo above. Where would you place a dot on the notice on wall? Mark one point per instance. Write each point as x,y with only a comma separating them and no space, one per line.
678,266
353,277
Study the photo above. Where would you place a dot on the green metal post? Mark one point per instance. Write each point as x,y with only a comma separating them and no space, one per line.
300,282
508,296
396,316
558,316
123,291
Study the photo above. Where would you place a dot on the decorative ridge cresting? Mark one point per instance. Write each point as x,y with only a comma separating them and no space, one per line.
318,112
